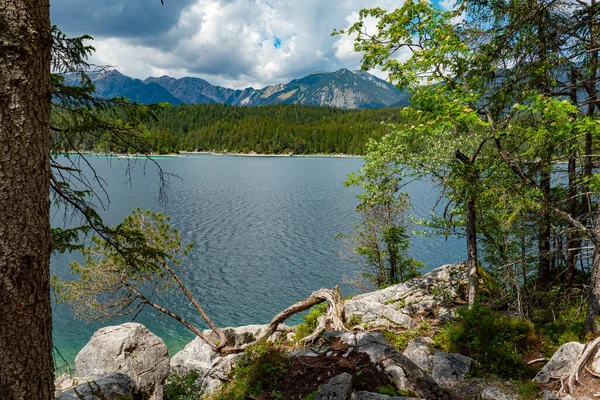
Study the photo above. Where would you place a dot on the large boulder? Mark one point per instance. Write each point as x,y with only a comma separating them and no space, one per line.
561,362
130,349
405,374
448,367
113,386
443,367
395,304
420,351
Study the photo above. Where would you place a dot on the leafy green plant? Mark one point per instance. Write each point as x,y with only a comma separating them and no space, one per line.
260,369
497,341
182,387
310,321
400,339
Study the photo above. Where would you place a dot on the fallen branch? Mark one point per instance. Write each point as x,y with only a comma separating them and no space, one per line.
537,360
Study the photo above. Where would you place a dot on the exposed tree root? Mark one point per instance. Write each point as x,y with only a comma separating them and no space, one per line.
588,351
334,317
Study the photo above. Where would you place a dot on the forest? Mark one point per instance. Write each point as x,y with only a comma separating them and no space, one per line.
273,129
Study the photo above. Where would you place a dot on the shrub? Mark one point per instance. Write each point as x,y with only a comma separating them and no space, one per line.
260,369
182,387
497,341
310,320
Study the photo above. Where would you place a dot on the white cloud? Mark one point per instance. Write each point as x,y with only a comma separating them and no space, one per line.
240,43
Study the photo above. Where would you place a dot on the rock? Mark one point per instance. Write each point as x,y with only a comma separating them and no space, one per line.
64,382
450,367
113,386
394,304
419,351
376,396
446,315
378,314
405,374
130,349
561,362
494,394
195,356
303,353
240,335
548,395
338,388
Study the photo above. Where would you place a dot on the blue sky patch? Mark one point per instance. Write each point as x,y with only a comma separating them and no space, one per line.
277,42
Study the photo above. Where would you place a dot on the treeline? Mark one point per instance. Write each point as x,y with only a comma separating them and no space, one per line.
273,129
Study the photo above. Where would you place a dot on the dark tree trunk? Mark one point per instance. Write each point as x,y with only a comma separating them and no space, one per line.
573,240
591,323
544,232
26,367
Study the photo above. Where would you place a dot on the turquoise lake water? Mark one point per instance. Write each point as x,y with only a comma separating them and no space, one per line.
263,231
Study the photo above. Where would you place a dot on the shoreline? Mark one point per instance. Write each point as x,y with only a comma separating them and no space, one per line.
213,153
254,154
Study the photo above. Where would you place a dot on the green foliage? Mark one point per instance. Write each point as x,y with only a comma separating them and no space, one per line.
143,253
496,341
379,244
312,396
564,321
260,369
528,390
182,387
400,339
391,390
273,129
310,321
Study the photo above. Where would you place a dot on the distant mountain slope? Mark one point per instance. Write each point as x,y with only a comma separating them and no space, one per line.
342,89
114,83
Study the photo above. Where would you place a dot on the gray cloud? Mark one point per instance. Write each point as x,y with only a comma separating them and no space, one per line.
235,43
117,18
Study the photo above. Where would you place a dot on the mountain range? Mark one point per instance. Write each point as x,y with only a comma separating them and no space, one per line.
342,89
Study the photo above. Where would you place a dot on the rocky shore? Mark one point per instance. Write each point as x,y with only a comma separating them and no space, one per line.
128,361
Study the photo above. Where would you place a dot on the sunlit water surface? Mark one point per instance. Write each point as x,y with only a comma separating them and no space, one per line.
263,232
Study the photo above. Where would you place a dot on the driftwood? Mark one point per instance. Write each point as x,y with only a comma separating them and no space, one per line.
334,316
573,377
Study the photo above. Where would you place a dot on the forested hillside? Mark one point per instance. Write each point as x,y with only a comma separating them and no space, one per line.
274,129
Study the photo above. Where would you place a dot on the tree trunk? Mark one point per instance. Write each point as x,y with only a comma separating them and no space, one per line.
544,232
472,248
591,323
26,367
573,241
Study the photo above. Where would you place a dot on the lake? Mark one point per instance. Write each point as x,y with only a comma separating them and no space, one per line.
263,231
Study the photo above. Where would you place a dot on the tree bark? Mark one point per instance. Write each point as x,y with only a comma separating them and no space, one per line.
591,323
26,367
573,241
544,231
472,248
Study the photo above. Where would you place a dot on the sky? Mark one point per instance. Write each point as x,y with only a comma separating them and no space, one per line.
231,43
